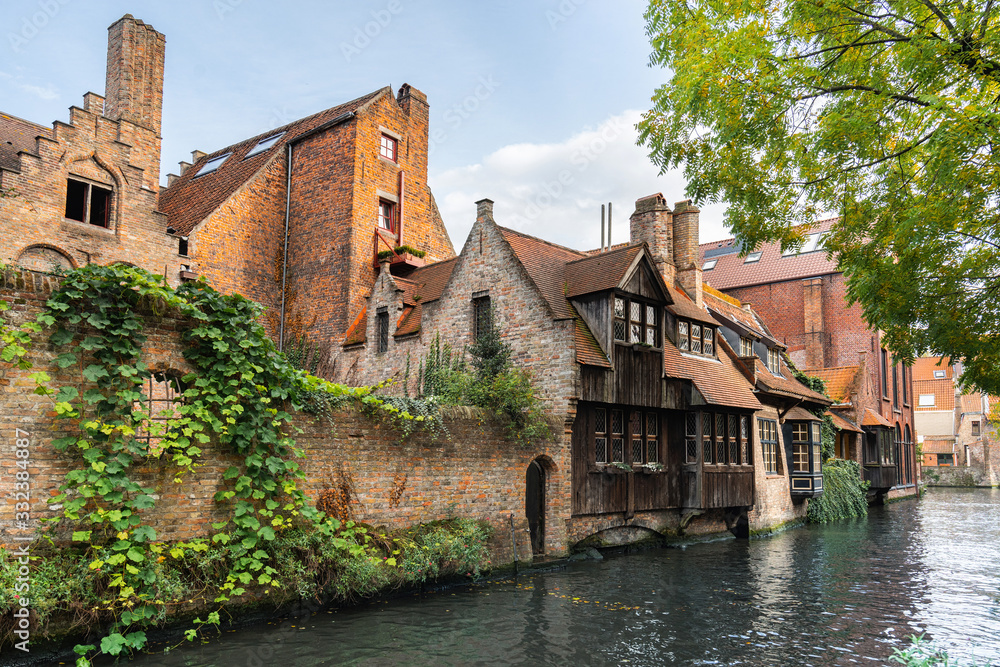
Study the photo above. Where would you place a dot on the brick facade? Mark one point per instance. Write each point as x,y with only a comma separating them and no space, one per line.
108,145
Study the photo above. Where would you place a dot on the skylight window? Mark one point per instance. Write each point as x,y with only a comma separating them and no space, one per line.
753,257
811,243
709,265
213,164
938,375
265,144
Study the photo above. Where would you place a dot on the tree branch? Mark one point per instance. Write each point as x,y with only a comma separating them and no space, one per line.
868,89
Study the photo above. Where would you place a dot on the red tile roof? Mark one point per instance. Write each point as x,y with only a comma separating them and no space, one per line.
546,266
842,423
924,367
839,381
192,199
423,285
972,403
785,384
357,332
943,390
938,446
588,350
874,419
600,272
718,381
732,309
684,306
17,134
732,271
798,413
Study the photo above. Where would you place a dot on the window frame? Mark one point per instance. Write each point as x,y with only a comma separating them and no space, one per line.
212,165
810,447
922,404
482,310
976,428
773,361
389,144
746,347
265,144
709,264
769,446
885,374
624,320
753,257
687,338
382,330
87,217
174,396
392,217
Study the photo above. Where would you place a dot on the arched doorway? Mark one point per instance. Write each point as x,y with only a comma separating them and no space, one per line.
534,505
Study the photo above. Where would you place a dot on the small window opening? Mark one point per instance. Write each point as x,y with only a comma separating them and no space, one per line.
212,164
387,215
482,316
753,257
382,321
939,375
709,265
265,144
88,203
388,148
182,247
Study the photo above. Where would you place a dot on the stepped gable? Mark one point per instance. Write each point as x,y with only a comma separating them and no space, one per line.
192,198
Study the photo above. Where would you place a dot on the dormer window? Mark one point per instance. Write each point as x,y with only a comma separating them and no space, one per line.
746,347
212,165
709,265
696,338
265,144
774,361
636,322
753,257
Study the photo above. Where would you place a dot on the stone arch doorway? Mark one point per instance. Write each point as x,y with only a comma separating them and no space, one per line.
534,504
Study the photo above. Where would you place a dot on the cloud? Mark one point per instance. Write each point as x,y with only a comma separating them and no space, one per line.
47,92
555,190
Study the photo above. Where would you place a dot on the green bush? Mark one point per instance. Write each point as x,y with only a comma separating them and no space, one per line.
845,494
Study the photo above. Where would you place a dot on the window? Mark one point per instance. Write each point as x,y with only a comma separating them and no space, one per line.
709,265
707,448
265,144
617,436
806,447
212,165
753,257
182,246
768,430
161,399
774,360
887,452
609,437
482,315
895,386
925,400
88,203
885,374
745,440
696,338
975,428
387,215
811,243
746,347
939,375
382,324
637,320
388,148
644,429
691,437
601,435
906,395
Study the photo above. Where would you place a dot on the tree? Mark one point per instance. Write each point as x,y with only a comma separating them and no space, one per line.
882,112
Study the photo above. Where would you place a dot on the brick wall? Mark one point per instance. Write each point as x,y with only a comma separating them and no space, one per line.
773,504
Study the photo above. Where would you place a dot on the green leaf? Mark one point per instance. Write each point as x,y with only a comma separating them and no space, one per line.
113,644
66,360
94,373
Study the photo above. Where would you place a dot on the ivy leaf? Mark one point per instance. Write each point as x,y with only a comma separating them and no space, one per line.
93,373
113,644
81,535
143,502
65,360
66,394
60,338
144,534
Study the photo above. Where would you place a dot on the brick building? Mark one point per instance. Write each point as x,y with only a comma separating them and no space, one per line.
662,419
292,218
802,296
958,430
86,191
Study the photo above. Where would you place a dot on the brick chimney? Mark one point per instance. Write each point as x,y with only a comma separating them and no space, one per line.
686,249
652,224
134,87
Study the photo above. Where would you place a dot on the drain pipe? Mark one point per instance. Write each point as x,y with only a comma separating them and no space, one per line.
284,257
513,542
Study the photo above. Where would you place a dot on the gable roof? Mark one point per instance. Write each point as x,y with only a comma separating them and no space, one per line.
924,367
842,423
785,384
839,380
717,380
603,271
16,135
546,266
729,311
731,270
424,285
872,418
191,199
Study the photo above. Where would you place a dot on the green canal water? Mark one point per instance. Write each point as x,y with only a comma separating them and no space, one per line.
841,594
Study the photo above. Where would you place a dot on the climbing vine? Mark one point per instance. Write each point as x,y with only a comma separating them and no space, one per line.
239,395
845,495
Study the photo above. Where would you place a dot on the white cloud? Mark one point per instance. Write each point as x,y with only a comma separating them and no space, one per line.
555,191
47,92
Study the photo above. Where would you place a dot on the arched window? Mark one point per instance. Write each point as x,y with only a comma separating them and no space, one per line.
44,258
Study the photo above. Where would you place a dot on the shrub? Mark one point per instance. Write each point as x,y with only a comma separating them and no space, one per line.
845,495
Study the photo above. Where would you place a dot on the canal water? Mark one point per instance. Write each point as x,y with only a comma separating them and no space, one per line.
840,594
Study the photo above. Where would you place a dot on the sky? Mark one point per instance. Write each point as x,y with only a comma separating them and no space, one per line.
533,102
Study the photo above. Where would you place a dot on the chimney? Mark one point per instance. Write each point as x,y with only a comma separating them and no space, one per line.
685,230
416,148
134,87
652,224
812,311
484,209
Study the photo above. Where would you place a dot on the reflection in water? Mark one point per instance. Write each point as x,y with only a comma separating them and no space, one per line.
822,595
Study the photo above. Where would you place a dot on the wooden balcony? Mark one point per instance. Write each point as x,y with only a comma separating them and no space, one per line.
880,477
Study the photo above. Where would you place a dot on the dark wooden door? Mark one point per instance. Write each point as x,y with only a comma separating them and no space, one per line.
534,505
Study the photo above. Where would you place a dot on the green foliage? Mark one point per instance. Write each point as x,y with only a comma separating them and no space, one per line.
493,383
454,545
881,113
922,653
399,250
845,495
15,342
239,396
